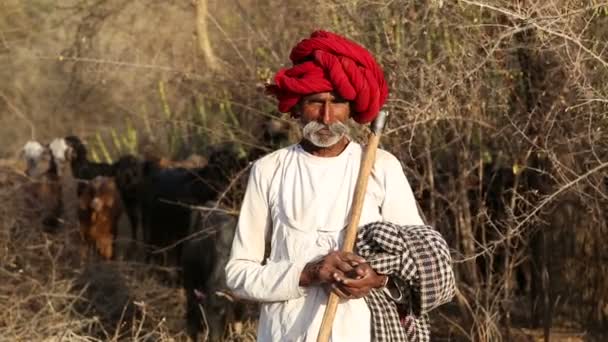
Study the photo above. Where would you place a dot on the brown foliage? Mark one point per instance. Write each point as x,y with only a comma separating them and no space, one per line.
498,115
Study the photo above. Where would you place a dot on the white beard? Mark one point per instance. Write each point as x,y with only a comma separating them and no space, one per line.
311,132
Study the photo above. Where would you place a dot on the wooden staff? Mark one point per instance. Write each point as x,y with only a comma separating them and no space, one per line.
367,162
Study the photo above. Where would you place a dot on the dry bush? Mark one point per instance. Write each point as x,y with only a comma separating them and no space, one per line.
500,119
498,115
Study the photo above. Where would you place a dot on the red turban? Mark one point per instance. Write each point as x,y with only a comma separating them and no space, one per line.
329,62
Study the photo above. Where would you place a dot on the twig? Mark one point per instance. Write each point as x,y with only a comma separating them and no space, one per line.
20,114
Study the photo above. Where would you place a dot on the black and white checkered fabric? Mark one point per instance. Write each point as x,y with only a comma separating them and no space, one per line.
418,262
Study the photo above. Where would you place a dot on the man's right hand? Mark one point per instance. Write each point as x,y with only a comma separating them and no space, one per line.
326,269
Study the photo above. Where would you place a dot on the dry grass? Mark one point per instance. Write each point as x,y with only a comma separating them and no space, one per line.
46,294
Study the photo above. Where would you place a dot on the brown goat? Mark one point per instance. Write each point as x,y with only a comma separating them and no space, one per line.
99,210
192,162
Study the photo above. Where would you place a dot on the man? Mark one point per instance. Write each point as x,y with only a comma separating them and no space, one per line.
298,199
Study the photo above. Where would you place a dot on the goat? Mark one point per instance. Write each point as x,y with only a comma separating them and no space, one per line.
82,168
43,193
128,176
192,162
98,212
34,153
74,169
165,220
210,307
71,150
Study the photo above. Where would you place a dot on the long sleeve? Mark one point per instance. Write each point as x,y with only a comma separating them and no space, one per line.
399,204
246,274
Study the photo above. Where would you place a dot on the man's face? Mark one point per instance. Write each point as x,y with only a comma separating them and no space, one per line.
323,117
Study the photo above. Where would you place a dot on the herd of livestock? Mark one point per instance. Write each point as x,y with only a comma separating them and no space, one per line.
160,198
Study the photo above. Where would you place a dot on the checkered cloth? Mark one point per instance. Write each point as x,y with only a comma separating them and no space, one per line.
418,262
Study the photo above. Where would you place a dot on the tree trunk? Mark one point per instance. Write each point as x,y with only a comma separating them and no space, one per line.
203,35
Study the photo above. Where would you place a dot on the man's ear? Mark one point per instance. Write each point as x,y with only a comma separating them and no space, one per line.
295,113
296,110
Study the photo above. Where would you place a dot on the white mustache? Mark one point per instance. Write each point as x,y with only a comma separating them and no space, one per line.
337,128
311,129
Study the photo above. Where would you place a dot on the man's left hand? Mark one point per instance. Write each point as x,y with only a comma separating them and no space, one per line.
359,283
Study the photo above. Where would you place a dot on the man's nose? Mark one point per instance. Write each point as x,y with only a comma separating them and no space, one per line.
327,116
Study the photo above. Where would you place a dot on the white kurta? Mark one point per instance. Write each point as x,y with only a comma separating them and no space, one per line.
300,204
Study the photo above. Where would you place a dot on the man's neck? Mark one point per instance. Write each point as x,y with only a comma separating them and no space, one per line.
331,151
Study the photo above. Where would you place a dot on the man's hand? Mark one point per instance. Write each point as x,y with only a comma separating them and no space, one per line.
347,274
325,270
361,280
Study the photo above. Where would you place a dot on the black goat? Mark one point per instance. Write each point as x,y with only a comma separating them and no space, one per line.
167,194
210,307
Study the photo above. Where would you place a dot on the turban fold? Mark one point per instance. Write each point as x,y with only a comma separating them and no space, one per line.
329,62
